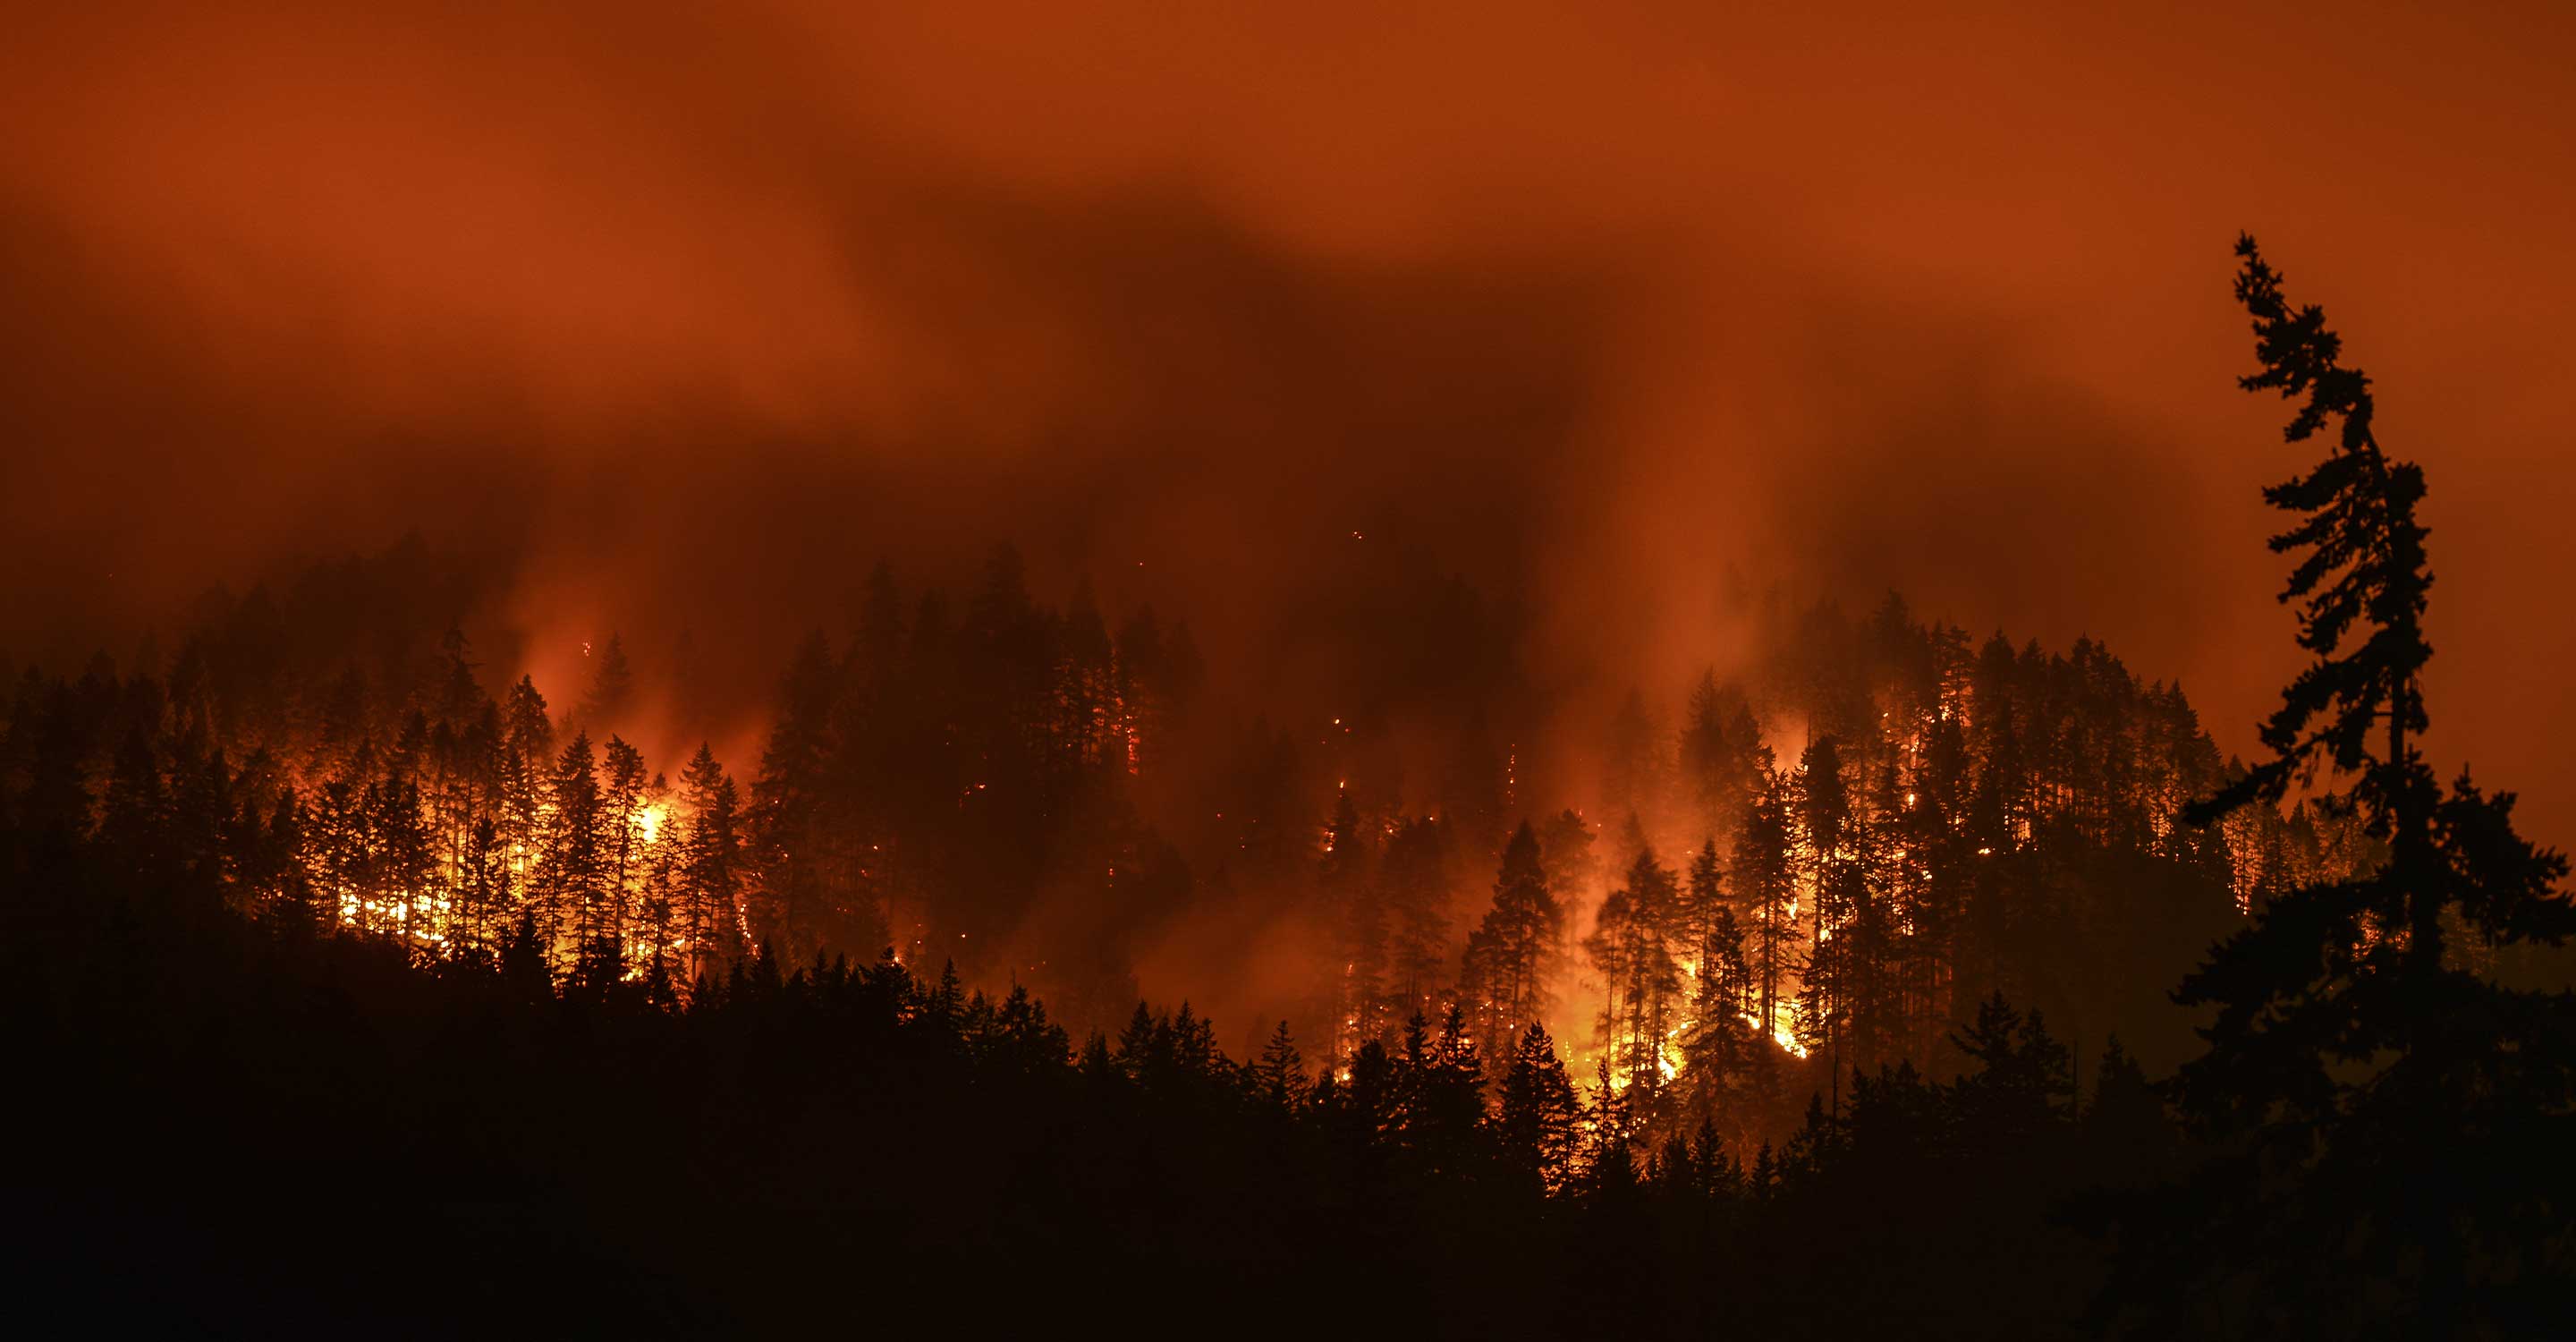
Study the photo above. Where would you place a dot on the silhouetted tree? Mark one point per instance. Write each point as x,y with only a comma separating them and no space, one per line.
1765,884
574,912
2397,1107
1632,946
1281,1073
1510,960
711,876
1536,1124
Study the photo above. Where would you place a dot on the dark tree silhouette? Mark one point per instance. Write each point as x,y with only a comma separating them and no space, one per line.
1766,886
1511,958
2403,1115
1537,1124
711,877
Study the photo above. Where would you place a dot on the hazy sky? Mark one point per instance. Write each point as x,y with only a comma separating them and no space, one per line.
705,306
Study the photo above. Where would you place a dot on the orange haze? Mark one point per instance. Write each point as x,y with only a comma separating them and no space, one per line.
681,315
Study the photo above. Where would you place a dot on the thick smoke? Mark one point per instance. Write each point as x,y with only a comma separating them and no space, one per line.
674,321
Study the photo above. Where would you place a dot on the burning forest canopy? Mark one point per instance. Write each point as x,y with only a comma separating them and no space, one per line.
1817,864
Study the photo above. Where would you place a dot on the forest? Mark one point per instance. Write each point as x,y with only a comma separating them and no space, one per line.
1892,977
1957,823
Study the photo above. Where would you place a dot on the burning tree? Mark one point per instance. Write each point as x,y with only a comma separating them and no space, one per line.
1511,958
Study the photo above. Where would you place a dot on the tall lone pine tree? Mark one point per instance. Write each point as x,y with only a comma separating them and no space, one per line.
2399,1118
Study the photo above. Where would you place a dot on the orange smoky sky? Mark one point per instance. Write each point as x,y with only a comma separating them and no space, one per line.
683,315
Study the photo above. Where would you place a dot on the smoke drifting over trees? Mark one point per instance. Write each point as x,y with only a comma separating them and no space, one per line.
290,284
1433,675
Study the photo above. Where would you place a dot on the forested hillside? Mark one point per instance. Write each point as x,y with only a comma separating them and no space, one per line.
362,986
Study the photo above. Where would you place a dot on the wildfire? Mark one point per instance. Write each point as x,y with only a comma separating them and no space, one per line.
1781,1034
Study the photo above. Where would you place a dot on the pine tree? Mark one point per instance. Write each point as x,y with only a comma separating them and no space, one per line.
286,894
621,842
524,968
1444,1099
1565,851
526,753
1718,1050
483,897
1025,1038
2124,1125
1139,1043
1836,886
658,902
1537,1123
200,813
403,870
789,843
711,876
1723,759
1511,957
1609,1168
2406,1116
1280,1075
1765,885
571,913
1632,946
2022,1083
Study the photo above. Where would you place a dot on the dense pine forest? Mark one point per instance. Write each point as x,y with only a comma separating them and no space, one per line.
356,982
1721,929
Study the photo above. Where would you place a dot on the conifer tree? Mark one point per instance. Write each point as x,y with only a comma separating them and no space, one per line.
482,902
789,842
526,753
1280,1074
1565,851
2124,1123
1722,757
403,869
286,893
711,874
1444,1098
1536,1124
1030,1042
657,906
1766,886
200,814
621,845
571,913
130,829
1511,957
1835,886
1718,1052
1632,946
2405,1114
